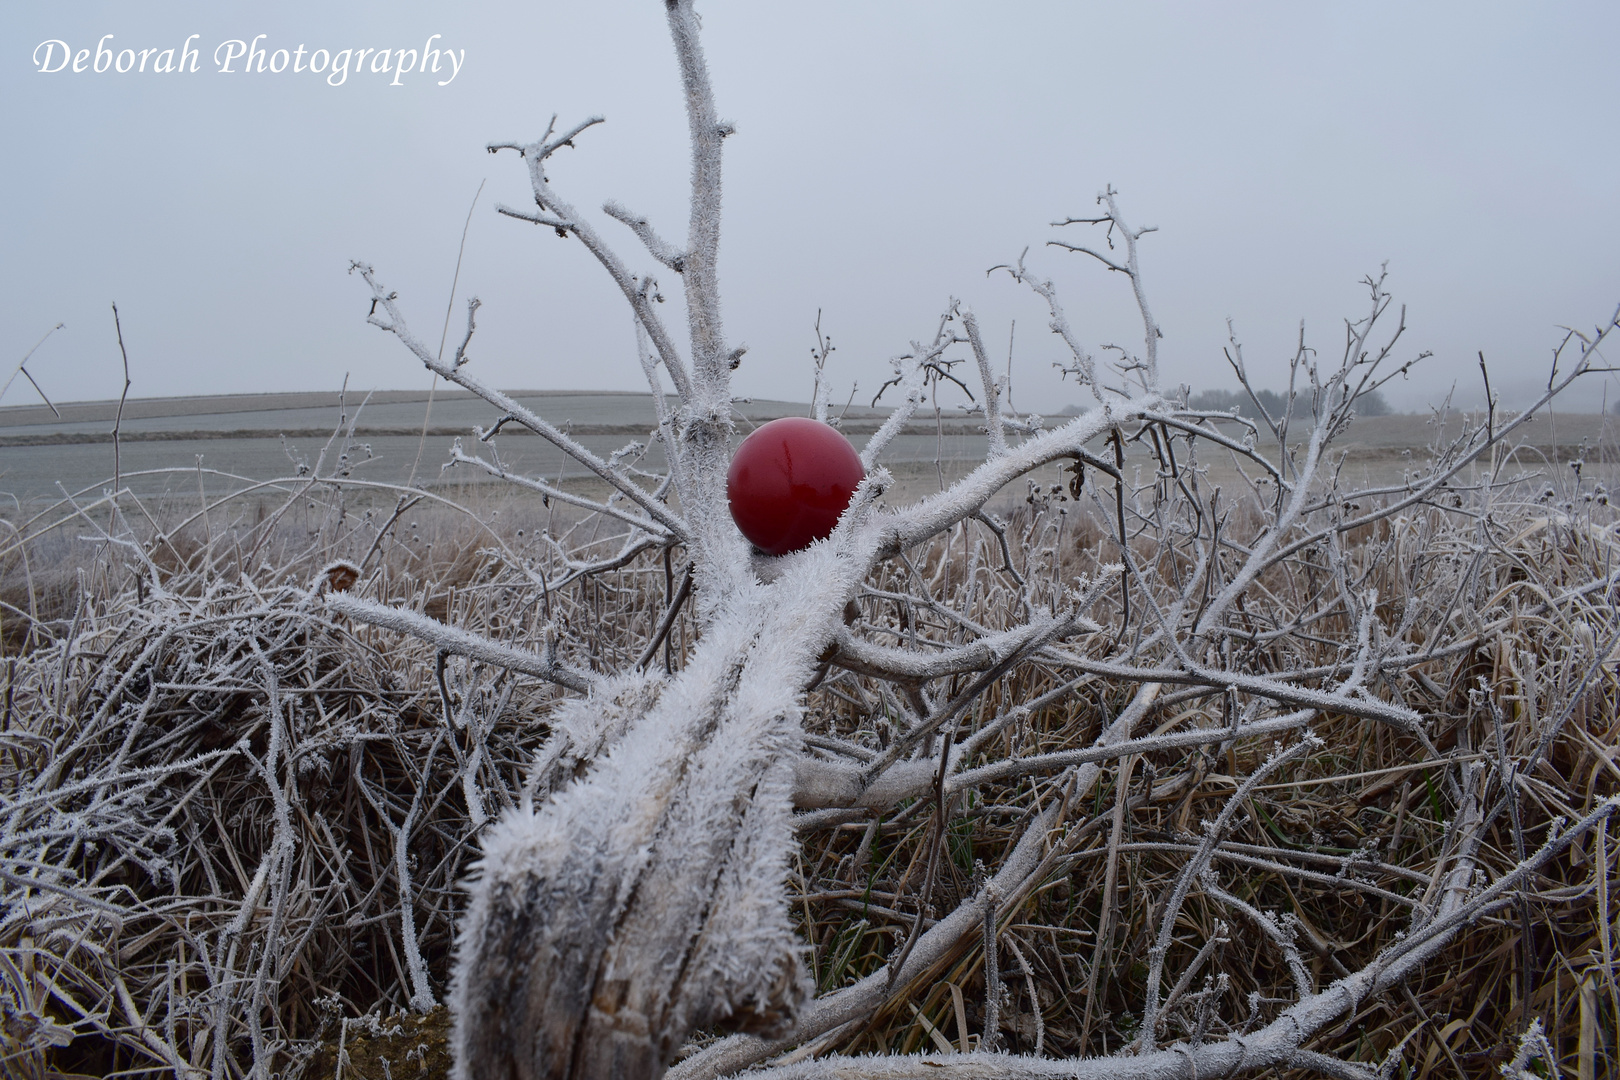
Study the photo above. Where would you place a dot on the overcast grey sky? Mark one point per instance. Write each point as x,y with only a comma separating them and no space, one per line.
887,154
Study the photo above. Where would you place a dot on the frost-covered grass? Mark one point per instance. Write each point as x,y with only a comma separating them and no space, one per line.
213,788
214,792
1344,846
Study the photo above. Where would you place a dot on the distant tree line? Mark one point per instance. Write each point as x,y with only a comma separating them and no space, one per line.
1368,404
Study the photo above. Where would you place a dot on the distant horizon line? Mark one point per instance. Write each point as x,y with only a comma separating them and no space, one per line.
442,392
296,393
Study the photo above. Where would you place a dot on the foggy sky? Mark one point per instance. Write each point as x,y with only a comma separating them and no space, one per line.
887,154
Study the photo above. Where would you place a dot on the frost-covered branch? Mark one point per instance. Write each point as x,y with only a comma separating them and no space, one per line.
462,643
557,214
1084,367
1131,268
912,373
664,252
391,319
993,388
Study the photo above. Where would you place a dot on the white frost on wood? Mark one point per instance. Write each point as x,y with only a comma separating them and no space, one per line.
460,642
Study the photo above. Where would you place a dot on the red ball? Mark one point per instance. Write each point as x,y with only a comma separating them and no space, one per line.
789,482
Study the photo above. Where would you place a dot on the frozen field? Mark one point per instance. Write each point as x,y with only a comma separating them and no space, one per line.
175,444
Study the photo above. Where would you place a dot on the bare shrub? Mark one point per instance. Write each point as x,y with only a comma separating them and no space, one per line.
1146,777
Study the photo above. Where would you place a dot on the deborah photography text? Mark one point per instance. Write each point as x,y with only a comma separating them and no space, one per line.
239,56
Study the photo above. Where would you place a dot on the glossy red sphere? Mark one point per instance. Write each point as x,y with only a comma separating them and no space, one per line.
789,482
